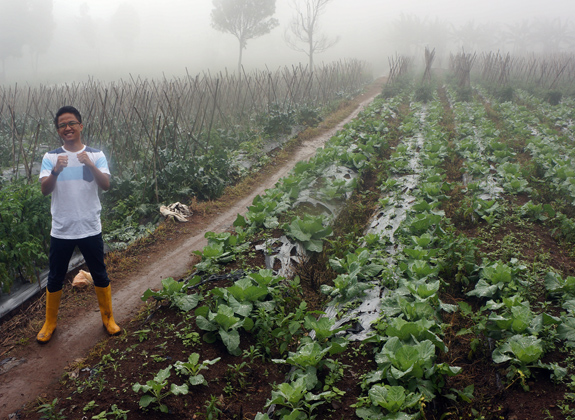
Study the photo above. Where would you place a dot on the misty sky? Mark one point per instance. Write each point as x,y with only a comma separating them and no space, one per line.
174,35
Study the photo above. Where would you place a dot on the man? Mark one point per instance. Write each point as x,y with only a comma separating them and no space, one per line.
72,174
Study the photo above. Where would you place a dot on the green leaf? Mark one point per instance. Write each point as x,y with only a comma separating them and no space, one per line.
146,400
213,251
198,380
528,349
248,324
484,289
566,330
523,349
392,398
179,389
240,221
225,317
241,308
296,231
163,374
187,302
465,308
231,340
497,273
205,325
309,354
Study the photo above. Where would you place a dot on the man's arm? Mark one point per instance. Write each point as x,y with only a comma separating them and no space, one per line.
102,179
48,183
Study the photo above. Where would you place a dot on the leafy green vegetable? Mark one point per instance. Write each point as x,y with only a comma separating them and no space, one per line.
176,293
393,398
519,348
192,368
155,387
310,231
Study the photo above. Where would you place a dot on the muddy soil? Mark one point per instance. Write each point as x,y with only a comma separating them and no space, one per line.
33,368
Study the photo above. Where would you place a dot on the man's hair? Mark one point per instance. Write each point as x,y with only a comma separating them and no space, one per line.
67,110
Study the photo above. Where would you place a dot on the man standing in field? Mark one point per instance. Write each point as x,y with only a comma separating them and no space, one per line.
72,174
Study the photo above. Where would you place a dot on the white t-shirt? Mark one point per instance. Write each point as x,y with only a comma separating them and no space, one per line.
75,204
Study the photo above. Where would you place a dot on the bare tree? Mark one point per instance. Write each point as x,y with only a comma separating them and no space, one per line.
245,19
304,29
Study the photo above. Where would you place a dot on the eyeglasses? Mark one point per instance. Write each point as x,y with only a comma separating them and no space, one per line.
70,124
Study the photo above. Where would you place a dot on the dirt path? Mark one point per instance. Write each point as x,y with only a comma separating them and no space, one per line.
41,366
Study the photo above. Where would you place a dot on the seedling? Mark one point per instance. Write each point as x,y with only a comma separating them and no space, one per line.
48,411
176,293
114,413
192,368
153,390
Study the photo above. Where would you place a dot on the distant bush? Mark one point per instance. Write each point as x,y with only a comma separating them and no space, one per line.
553,97
505,94
424,93
391,90
308,116
464,94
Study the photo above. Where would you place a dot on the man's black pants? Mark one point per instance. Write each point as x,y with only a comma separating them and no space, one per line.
61,250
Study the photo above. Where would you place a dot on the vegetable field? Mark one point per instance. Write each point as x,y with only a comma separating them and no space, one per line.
166,141
420,266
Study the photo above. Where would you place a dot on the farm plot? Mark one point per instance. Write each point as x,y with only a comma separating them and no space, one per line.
166,141
427,275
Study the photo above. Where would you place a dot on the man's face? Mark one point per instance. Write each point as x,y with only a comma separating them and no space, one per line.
69,128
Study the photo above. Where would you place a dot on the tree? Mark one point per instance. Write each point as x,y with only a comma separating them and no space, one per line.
555,34
12,35
41,23
304,29
245,19
520,35
472,36
408,34
24,22
125,26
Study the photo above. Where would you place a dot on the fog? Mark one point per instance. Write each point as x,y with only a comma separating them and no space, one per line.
114,39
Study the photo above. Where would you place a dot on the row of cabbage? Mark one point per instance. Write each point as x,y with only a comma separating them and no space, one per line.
406,234
517,333
323,184
389,286
550,144
387,292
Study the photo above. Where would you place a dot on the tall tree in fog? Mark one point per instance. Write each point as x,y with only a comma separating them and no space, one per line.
24,22
41,22
87,26
244,19
519,35
11,32
472,37
304,29
125,25
408,34
555,34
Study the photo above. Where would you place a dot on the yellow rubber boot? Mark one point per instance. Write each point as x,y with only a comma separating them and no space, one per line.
105,301
52,306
